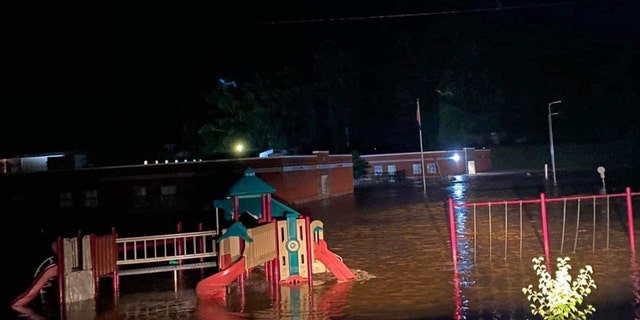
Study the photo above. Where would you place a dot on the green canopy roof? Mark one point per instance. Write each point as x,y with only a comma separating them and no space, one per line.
253,205
279,209
249,189
250,185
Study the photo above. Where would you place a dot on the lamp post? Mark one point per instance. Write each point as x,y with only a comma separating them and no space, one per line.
553,157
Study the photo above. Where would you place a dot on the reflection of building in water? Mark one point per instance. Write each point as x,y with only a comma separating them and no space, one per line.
156,305
295,299
261,299
325,303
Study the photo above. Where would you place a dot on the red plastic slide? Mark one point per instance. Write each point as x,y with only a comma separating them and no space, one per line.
45,276
214,286
331,260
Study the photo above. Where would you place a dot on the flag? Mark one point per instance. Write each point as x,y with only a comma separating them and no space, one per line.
418,115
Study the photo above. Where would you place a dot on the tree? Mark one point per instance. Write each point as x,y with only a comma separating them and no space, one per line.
560,297
240,115
288,109
360,166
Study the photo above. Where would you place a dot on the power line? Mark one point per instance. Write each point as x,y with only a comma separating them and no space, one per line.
422,14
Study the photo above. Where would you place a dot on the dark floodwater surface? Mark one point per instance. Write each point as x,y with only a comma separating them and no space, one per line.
398,238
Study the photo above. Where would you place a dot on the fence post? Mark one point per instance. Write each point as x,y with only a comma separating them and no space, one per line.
632,240
452,228
267,209
79,250
180,242
545,229
307,231
201,247
116,276
62,288
93,252
276,261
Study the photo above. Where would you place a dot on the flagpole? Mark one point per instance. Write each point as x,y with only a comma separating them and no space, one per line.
424,180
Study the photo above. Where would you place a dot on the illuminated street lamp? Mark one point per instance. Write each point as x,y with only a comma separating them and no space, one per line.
553,156
239,148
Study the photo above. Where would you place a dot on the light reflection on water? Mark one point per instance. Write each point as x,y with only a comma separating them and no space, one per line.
400,237
461,278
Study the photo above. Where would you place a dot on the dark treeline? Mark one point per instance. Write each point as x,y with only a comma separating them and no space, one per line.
328,76
354,85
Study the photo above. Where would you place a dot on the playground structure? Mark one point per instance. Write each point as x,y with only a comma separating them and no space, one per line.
80,262
290,247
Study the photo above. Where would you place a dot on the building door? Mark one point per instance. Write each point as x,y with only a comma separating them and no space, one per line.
325,189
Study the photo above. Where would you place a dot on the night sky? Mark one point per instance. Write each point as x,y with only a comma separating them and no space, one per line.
122,79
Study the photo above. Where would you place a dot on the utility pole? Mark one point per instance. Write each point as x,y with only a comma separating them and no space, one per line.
553,156
424,180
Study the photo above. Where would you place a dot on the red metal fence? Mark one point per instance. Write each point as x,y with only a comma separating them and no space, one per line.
575,222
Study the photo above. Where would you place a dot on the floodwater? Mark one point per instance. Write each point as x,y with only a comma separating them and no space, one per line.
397,240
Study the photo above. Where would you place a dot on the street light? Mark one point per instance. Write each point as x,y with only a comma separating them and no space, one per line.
239,148
553,157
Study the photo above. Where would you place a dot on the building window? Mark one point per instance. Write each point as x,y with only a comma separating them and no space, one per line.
91,198
168,196
377,170
431,168
391,169
417,169
18,198
140,198
66,200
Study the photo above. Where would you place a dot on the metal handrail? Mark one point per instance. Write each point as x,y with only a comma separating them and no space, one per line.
167,247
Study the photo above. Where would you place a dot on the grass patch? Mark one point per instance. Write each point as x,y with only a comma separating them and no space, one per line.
568,156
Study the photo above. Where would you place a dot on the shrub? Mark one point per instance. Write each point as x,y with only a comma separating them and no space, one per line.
560,298
360,166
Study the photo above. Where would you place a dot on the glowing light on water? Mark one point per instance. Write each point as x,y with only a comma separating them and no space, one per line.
458,190
461,279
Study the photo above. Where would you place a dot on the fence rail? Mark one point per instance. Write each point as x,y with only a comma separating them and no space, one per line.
564,222
181,251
